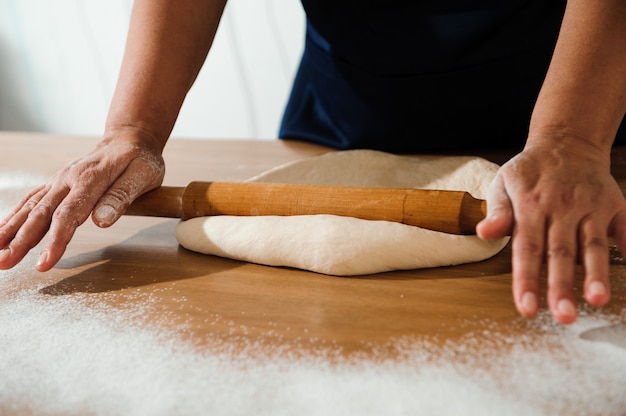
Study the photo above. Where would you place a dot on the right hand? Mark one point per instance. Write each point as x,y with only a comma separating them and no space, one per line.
102,183
559,202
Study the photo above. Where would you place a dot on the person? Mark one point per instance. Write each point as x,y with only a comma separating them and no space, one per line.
403,76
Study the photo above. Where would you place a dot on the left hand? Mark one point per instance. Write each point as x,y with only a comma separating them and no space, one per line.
559,201
103,183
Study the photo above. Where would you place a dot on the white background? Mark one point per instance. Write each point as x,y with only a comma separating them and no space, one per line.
59,61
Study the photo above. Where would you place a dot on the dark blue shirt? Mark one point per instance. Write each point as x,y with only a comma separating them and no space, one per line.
409,76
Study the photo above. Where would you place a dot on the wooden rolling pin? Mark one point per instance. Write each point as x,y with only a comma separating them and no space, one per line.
452,212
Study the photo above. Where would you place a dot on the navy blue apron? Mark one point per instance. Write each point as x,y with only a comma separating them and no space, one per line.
415,76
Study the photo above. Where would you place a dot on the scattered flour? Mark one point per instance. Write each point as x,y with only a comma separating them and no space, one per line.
71,355
18,181
61,355
13,187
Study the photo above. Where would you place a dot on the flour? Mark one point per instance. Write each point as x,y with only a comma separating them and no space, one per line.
18,181
13,187
60,355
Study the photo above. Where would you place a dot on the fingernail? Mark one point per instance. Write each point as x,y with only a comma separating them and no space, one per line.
43,257
106,214
566,307
529,302
4,254
597,289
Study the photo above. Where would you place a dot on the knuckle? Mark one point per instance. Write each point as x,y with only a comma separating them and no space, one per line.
30,204
531,199
567,198
83,171
593,243
528,248
39,210
561,252
23,242
118,196
22,245
68,216
59,240
86,174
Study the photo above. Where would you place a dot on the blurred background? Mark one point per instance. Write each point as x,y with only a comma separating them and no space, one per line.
59,62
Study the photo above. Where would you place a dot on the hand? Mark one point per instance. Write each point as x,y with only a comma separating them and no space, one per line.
560,201
103,183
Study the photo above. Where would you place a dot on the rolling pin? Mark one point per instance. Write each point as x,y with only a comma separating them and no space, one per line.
453,212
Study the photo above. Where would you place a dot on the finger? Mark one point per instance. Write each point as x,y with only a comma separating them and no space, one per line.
18,215
61,232
528,252
134,182
561,261
595,256
113,204
33,195
28,226
68,216
499,220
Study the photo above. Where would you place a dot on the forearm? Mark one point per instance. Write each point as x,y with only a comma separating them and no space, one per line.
166,46
584,93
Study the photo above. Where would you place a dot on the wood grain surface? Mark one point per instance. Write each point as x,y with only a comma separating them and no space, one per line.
209,300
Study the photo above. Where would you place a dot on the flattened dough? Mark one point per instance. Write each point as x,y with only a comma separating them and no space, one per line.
345,246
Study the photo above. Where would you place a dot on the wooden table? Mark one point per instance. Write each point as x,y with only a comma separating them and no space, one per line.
212,300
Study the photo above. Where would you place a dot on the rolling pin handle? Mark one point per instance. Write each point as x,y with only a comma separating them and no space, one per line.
165,201
471,213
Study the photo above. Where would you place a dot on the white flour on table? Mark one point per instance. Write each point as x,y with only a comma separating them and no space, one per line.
61,356
71,355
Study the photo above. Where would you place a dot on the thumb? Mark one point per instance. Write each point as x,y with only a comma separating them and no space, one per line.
499,220
113,204
119,196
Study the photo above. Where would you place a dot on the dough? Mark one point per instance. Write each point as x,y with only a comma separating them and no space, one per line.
348,246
